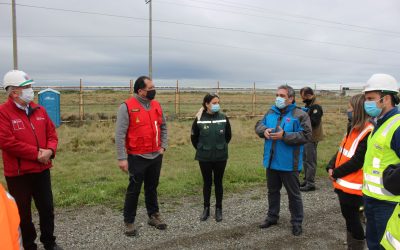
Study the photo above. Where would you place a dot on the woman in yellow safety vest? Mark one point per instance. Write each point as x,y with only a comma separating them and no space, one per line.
345,170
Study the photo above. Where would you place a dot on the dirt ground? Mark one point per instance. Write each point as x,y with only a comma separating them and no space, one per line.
102,228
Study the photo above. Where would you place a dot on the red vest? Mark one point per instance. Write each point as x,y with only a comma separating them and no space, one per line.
144,131
351,183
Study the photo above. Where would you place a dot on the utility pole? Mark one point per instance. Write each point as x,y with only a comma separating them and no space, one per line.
150,40
14,26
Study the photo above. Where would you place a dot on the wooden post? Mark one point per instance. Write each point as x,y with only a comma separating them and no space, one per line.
131,87
177,106
254,99
218,88
81,111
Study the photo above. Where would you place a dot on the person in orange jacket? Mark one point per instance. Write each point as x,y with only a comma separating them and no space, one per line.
345,170
10,233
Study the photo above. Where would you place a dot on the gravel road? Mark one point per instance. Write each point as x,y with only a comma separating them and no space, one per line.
102,228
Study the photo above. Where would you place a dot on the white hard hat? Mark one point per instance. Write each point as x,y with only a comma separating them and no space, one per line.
382,82
17,78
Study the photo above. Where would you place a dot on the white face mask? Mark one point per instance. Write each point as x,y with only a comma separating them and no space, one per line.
27,95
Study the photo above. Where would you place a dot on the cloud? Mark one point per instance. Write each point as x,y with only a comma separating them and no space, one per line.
270,44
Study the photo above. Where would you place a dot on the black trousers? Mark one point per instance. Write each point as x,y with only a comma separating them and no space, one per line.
350,208
147,171
207,169
290,179
37,186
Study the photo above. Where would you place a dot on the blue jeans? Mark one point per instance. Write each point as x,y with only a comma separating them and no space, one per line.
377,213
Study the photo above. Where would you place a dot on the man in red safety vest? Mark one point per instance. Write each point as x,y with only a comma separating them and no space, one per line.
141,139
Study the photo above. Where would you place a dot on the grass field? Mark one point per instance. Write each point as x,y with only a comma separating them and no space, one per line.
85,170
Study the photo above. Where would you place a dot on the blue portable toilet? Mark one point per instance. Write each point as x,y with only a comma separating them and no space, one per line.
50,100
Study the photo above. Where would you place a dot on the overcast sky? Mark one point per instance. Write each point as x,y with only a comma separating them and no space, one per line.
200,42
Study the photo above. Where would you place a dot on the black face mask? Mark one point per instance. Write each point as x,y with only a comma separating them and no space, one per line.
307,101
151,94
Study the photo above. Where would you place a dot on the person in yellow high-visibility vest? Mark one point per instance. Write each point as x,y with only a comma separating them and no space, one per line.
10,233
391,180
383,149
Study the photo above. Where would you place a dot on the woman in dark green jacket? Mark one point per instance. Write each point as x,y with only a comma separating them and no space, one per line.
211,133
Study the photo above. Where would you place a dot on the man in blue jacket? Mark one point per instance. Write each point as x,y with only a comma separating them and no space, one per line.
285,128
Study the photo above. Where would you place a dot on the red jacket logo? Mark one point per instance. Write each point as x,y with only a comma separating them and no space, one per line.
18,124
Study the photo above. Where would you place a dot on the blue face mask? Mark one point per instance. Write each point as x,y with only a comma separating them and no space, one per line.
280,102
215,108
372,109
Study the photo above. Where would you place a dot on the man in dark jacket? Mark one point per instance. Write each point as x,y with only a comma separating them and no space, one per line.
28,141
285,128
314,110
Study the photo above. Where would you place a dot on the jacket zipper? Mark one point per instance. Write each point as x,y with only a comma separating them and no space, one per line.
272,151
155,123
34,132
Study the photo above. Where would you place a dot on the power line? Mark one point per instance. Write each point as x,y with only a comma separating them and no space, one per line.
277,18
260,9
213,27
208,44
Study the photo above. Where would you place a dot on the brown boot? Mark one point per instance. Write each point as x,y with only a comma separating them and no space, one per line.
156,221
130,229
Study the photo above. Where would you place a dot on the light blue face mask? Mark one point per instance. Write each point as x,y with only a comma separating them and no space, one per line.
280,102
372,109
215,108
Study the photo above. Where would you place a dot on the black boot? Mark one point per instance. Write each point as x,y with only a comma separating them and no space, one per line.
206,214
218,214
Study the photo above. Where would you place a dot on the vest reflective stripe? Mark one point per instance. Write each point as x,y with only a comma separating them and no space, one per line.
392,240
351,183
379,155
373,179
390,125
208,122
391,237
347,184
377,190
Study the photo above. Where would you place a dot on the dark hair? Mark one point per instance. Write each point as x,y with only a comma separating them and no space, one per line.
208,98
393,96
306,91
289,90
140,84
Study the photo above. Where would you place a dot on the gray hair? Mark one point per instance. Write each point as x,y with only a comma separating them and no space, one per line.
9,89
289,89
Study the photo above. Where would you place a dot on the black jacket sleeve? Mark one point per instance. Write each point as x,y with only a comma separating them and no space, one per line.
391,179
355,163
315,114
194,136
228,131
331,164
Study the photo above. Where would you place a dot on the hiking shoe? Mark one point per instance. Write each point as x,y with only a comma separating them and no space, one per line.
307,188
156,221
130,229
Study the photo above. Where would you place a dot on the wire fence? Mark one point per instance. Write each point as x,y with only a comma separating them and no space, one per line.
100,103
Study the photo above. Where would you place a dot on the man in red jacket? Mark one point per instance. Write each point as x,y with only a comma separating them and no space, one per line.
28,141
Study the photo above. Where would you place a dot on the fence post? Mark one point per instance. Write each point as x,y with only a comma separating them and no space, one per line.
177,105
81,110
131,87
254,99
